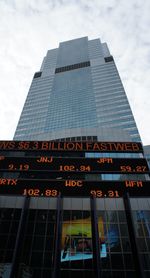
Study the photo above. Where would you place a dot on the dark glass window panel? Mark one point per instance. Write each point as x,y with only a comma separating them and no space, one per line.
52,216
146,228
112,231
7,214
49,243
148,243
126,244
4,227
105,262
94,138
37,273
37,74
88,264
72,67
66,274
30,228
38,243
17,213
115,245
147,274
86,214
116,261
131,274
74,264
122,216
11,242
83,138
40,228
27,244
128,261
76,214
50,229
41,216
37,259
118,274
8,256
1,255
31,215
106,274
66,215
48,259
146,215
139,230
108,59
14,227
89,138
111,216
142,244
88,274
3,241
47,273
145,259
123,230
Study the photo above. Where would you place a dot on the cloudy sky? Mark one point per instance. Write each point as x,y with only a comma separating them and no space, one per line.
29,28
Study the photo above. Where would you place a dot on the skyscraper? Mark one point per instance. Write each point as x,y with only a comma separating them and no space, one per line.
77,163
77,88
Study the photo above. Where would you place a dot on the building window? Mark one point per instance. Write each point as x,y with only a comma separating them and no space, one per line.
108,59
37,74
73,67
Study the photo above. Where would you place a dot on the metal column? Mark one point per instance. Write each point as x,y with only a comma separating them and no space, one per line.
57,246
132,236
95,239
18,245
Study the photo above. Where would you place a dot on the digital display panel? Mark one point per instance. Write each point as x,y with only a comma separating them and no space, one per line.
52,188
121,147
76,242
60,164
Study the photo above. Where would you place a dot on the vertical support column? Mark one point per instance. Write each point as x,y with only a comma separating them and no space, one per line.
18,245
132,235
57,245
95,239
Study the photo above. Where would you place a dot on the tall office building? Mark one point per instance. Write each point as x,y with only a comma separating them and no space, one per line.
77,92
81,175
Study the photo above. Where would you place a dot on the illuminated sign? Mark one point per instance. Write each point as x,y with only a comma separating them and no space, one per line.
76,242
71,146
61,164
52,188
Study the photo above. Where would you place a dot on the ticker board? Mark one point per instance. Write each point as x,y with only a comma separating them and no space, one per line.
52,188
70,164
55,146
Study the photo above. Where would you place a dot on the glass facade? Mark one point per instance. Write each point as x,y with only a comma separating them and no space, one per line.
78,87
37,247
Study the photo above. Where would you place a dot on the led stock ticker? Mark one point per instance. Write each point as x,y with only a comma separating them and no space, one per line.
52,188
60,164
127,147
49,168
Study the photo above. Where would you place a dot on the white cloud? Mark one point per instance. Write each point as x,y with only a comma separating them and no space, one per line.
29,28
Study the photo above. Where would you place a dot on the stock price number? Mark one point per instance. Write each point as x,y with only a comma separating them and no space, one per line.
137,169
73,168
22,167
37,193
101,194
